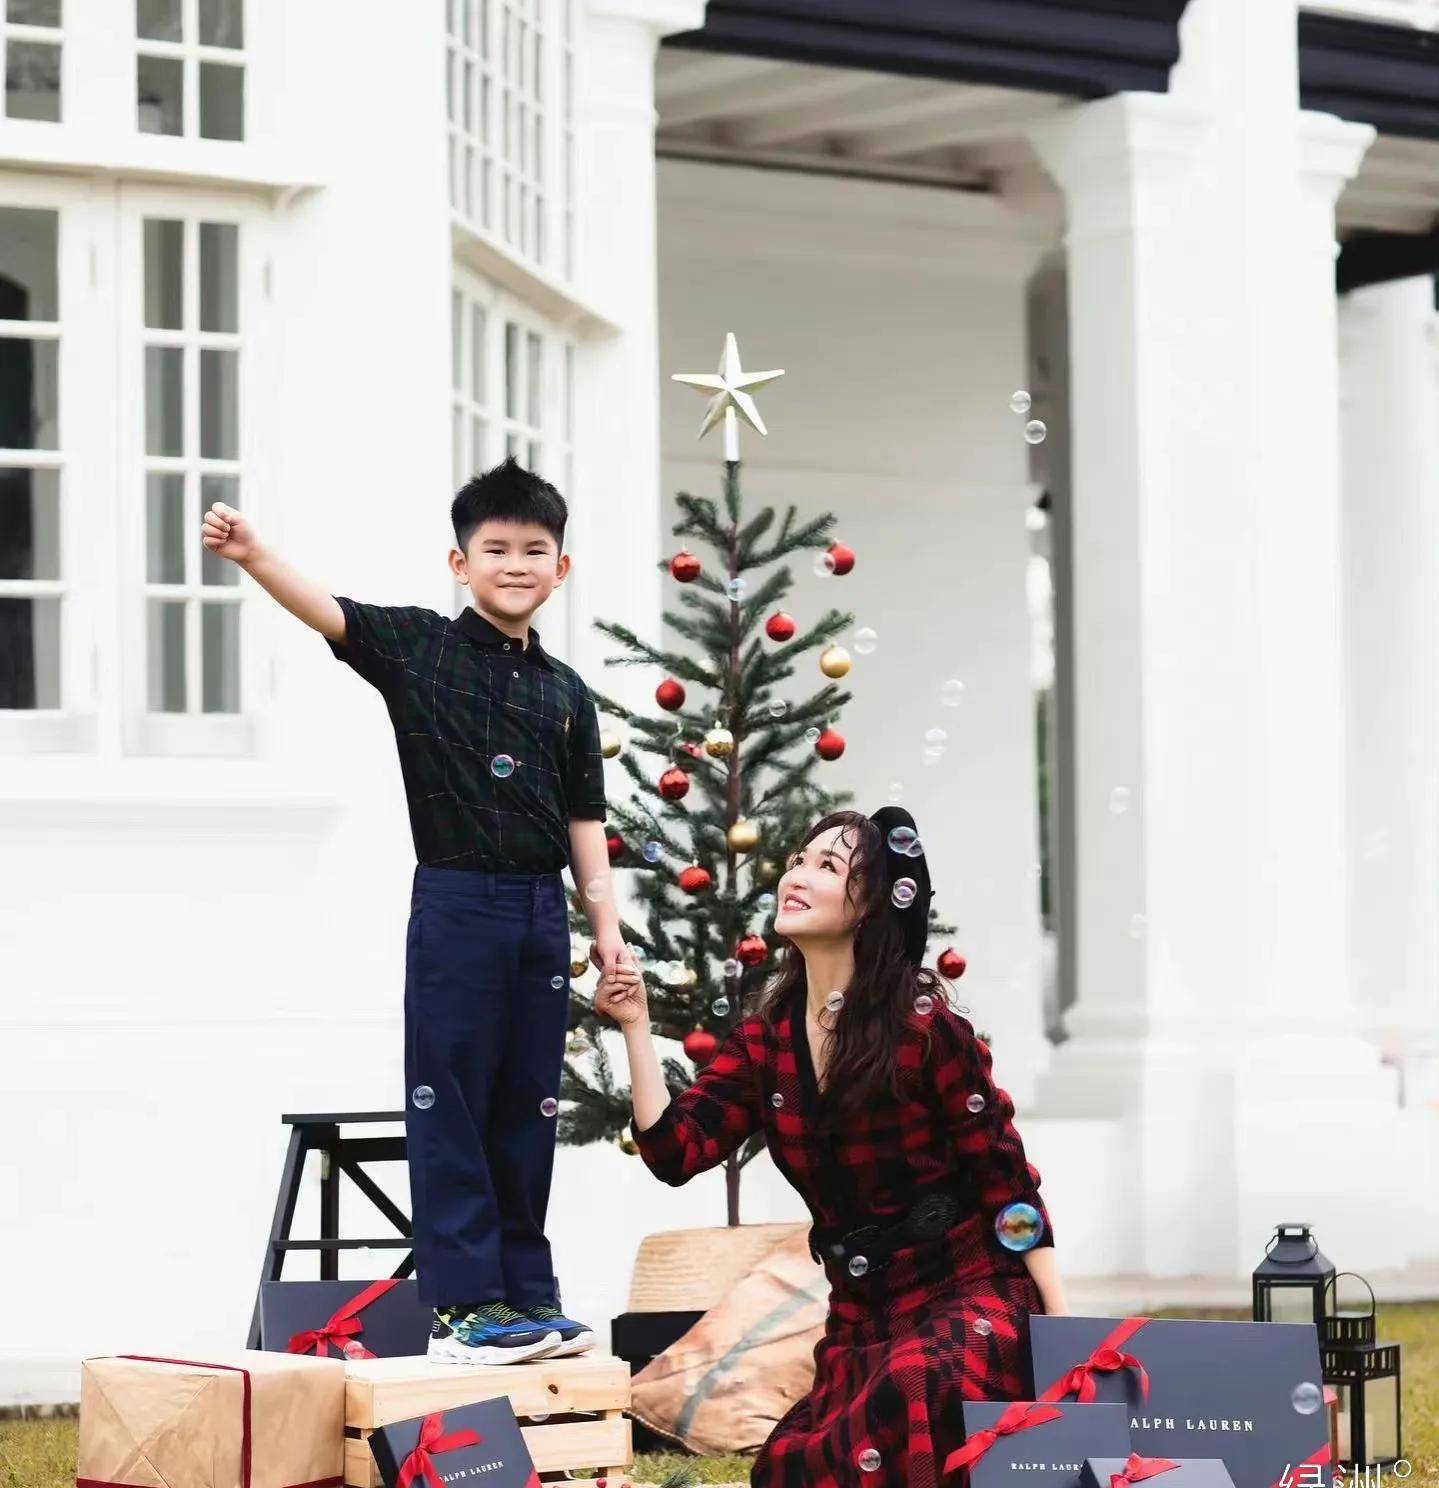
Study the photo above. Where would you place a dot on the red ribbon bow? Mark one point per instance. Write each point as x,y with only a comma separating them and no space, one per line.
1138,1468
343,1323
1017,1417
433,1439
1105,1359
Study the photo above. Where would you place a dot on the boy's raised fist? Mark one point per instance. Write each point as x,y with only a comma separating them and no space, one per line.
227,534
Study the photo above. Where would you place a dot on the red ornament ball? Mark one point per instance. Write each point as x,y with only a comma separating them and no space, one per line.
674,784
829,745
695,880
951,964
685,567
700,1045
843,556
616,846
670,695
753,950
780,627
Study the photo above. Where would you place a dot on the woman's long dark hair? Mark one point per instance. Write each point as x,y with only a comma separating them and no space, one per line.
862,1063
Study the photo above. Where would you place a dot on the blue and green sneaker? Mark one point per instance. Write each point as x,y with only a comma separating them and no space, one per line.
489,1333
575,1338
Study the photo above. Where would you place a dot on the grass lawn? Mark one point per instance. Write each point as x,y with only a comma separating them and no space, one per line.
41,1453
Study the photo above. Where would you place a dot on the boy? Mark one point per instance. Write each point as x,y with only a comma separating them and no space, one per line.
499,749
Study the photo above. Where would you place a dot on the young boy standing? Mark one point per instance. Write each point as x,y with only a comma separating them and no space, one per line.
499,749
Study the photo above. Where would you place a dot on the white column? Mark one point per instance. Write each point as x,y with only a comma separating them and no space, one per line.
1214,1011
1390,429
617,496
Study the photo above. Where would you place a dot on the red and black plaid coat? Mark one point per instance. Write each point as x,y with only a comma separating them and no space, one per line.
904,1343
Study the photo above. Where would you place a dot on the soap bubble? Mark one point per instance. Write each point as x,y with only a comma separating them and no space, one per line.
576,1045
1020,401
1019,1226
1306,1397
733,968
653,851
951,693
596,889
1138,926
557,982
865,640
869,1460
834,1002
935,736
811,736
549,1106
765,903
901,839
916,849
975,1103
736,589
858,1265
502,767
896,792
423,1097
776,1100
720,1006
932,753
902,895
352,1348
983,1327
1035,431
823,564
924,1004
1119,800
778,707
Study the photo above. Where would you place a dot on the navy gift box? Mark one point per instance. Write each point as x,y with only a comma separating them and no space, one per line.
1216,1389
1049,1452
1187,1472
392,1325
466,1445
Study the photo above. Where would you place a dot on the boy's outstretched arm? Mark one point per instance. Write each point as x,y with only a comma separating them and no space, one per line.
590,864
228,534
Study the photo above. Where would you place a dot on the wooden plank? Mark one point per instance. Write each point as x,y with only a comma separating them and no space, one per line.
379,1391
606,1444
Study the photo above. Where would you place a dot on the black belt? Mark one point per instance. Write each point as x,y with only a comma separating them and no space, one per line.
931,1216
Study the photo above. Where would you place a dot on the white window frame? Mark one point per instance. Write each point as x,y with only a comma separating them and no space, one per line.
190,53
193,732
82,335
510,82
554,430
48,36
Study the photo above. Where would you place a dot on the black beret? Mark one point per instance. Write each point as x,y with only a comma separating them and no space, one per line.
914,916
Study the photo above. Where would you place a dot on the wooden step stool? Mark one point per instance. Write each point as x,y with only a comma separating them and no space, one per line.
571,1411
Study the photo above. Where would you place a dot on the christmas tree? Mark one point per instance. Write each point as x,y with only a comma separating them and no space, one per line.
727,775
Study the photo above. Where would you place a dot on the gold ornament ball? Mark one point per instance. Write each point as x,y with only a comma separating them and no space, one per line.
688,977
579,965
628,1146
834,661
766,872
719,743
743,836
610,743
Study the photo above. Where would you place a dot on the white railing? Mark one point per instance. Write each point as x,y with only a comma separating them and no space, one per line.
1423,14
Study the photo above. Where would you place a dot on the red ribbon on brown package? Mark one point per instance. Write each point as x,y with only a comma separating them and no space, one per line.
344,1322
1105,1359
1138,1468
433,1439
1018,1417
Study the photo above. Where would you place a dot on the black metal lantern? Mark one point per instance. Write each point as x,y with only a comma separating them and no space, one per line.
1365,1372
1291,1283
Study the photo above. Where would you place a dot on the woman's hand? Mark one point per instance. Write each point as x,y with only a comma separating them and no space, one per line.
621,997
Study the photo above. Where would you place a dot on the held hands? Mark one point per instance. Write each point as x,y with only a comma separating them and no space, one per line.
621,995
227,534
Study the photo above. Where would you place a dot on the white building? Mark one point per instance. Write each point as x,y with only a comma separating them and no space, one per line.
318,260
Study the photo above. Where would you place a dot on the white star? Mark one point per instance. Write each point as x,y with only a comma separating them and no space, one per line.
731,396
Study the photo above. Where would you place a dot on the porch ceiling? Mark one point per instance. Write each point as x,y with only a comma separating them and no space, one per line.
846,120
1396,189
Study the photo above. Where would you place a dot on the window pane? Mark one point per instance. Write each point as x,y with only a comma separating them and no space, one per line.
1381,1419
164,529
220,651
32,81
478,391
213,488
160,90
477,444
164,273
512,370
164,400
29,394
222,101
457,331
219,276
220,405
29,258
29,524
165,655
29,653
158,20
222,23
33,12
532,412
457,447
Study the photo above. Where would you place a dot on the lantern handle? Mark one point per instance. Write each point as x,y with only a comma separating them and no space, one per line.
1313,1245
1333,1282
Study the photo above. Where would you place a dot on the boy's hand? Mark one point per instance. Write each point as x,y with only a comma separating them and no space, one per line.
621,996
610,951
227,534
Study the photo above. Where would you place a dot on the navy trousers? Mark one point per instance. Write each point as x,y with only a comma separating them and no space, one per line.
486,1007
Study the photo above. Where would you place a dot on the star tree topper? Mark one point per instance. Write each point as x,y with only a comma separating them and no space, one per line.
730,396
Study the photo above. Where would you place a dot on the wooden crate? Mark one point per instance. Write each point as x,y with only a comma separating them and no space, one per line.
584,1400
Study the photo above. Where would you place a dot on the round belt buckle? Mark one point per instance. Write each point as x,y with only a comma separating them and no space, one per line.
933,1215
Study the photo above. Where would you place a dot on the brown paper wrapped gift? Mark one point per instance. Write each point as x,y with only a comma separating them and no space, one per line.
722,1387
246,1420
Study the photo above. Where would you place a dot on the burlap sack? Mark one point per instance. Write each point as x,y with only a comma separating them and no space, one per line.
244,1420
722,1387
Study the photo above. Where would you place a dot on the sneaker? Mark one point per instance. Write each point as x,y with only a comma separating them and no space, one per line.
488,1333
575,1338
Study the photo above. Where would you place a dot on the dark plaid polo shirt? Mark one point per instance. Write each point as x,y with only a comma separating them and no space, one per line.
463,695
